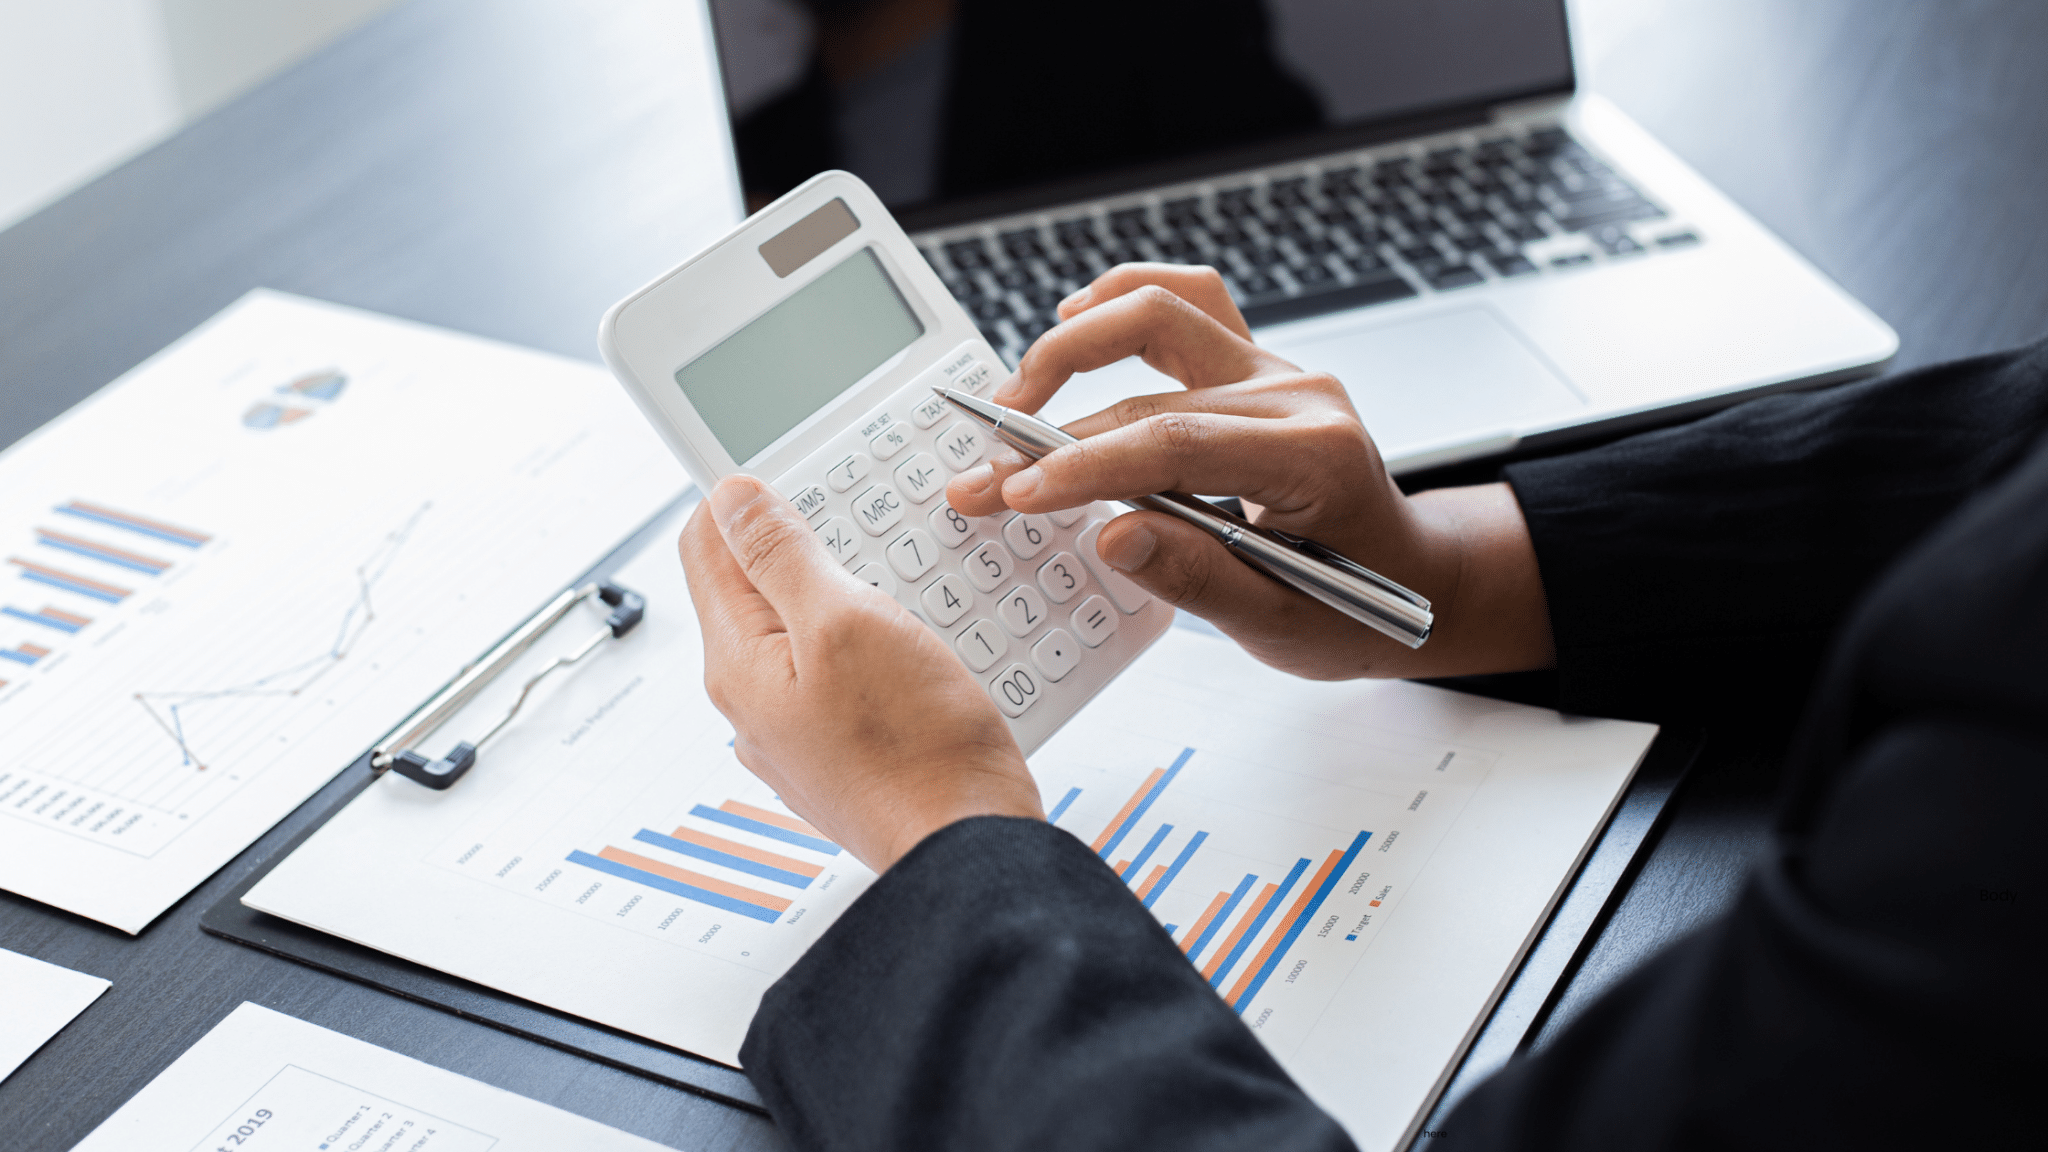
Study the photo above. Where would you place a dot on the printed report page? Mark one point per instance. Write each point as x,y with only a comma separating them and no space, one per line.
229,572
263,1081
1355,867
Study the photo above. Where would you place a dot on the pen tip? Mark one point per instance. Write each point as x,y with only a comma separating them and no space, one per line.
942,391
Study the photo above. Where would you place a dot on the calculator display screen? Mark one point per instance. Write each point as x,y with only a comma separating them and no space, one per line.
793,359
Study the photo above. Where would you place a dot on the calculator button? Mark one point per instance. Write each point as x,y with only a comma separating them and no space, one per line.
1068,517
1027,535
987,565
919,478
949,526
1021,610
947,600
961,445
1016,690
873,573
810,501
838,538
1062,576
930,411
890,442
1128,596
913,554
1056,654
973,378
981,644
848,472
1094,621
878,509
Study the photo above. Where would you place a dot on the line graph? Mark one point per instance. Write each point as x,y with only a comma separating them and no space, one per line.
169,708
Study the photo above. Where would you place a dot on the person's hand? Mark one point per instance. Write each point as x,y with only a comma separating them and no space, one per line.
861,719
1291,446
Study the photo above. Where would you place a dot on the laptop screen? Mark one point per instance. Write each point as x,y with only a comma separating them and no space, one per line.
948,106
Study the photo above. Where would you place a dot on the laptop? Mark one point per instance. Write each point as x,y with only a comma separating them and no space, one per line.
1412,197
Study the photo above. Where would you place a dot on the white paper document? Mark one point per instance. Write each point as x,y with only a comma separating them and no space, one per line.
262,1081
36,1001
227,573
1357,866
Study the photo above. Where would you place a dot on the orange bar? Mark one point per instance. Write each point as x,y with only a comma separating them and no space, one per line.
67,617
1119,866
766,817
1145,889
35,650
1301,903
113,589
745,852
1202,925
1124,813
685,876
102,510
1372,903
96,546
1244,922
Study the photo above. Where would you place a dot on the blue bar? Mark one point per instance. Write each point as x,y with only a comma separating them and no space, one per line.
768,830
1171,928
688,891
1139,813
1179,862
39,618
1259,925
1216,925
68,586
102,557
1307,914
128,525
725,859
1066,802
1151,846
21,657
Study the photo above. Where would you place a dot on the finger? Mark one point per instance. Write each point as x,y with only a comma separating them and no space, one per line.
1190,569
1171,335
776,550
1276,397
1269,462
731,613
979,490
1199,285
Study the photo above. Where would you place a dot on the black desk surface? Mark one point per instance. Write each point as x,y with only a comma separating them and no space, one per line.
510,167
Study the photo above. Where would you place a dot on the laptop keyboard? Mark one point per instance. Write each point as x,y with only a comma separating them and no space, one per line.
1344,235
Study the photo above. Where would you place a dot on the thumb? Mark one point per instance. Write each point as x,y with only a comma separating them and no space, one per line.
775,547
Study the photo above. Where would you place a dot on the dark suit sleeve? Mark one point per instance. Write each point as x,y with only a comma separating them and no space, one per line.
1000,989
1878,983
1700,572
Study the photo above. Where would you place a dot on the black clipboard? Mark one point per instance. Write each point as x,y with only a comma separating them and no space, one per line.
1512,1025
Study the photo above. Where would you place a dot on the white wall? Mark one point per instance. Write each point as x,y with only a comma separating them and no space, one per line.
85,84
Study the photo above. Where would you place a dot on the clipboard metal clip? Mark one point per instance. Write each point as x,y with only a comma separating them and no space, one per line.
398,755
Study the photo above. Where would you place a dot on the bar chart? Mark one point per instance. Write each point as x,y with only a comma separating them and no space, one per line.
94,563
750,859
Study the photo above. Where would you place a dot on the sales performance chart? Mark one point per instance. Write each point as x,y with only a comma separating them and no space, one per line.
205,614
1273,861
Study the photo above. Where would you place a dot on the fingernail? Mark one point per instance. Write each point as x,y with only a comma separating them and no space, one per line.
1079,297
1007,392
732,495
1023,484
977,478
1128,550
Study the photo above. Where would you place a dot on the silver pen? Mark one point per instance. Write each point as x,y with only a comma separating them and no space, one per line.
1301,564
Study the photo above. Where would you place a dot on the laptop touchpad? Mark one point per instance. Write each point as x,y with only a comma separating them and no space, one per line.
1435,379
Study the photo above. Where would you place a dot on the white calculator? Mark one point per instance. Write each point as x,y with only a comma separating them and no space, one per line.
802,348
